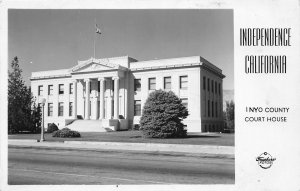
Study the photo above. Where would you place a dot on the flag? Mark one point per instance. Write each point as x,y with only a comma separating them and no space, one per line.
97,29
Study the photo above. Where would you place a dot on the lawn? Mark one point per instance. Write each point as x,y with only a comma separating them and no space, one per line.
135,137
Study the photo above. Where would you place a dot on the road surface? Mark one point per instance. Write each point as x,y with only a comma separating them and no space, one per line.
39,166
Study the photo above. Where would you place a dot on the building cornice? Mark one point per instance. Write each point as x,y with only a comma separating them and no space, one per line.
50,77
178,66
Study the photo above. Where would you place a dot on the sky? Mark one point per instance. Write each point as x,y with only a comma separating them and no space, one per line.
45,39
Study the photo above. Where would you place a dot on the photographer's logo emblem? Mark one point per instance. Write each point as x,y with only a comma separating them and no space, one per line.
265,160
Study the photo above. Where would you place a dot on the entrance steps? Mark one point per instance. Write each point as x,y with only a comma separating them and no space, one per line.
88,126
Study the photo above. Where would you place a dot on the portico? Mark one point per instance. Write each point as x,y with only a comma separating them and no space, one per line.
100,102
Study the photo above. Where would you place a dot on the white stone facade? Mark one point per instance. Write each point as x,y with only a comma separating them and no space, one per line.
114,91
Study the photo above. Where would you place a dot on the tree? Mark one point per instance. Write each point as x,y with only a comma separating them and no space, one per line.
229,115
23,114
162,116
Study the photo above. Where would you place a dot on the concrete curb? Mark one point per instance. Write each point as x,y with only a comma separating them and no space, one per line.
202,155
140,147
24,140
208,149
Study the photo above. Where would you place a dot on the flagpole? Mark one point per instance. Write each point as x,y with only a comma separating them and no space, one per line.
95,41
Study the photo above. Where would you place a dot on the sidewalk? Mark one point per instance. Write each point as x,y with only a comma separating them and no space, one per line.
227,151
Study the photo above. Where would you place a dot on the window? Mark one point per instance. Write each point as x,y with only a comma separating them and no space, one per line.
204,82
137,107
71,88
183,82
137,85
219,89
216,105
208,84
167,83
60,89
50,89
212,86
152,83
40,89
50,109
212,109
184,102
60,109
90,84
216,87
70,108
208,108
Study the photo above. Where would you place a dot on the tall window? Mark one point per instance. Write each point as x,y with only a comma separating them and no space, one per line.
40,89
219,89
212,86
216,105
70,108
183,82
184,102
71,88
152,83
137,107
60,89
167,83
208,108
212,109
61,109
90,84
204,82
137,85
50,109
216,87
50,89
208,84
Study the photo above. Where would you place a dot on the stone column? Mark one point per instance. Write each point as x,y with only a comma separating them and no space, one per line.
75,99
101,98
116,97
109,99
87,98
94,105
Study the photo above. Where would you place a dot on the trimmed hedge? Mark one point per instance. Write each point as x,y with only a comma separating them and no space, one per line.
52,127
66,132
162,116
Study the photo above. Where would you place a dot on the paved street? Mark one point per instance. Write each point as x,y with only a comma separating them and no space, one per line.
39,166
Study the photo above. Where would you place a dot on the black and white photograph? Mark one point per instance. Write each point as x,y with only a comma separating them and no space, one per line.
149,95
112,97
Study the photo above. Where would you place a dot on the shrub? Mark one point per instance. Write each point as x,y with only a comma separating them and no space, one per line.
66,132
136,127
51,128
162,116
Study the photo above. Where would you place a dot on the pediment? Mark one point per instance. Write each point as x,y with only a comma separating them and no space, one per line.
94,65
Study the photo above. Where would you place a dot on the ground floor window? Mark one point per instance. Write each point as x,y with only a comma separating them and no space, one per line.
50,109
216,105
61,109
212,109
185,102
137,107
70,108
208,108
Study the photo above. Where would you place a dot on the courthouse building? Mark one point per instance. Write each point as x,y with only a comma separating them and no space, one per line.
109,93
